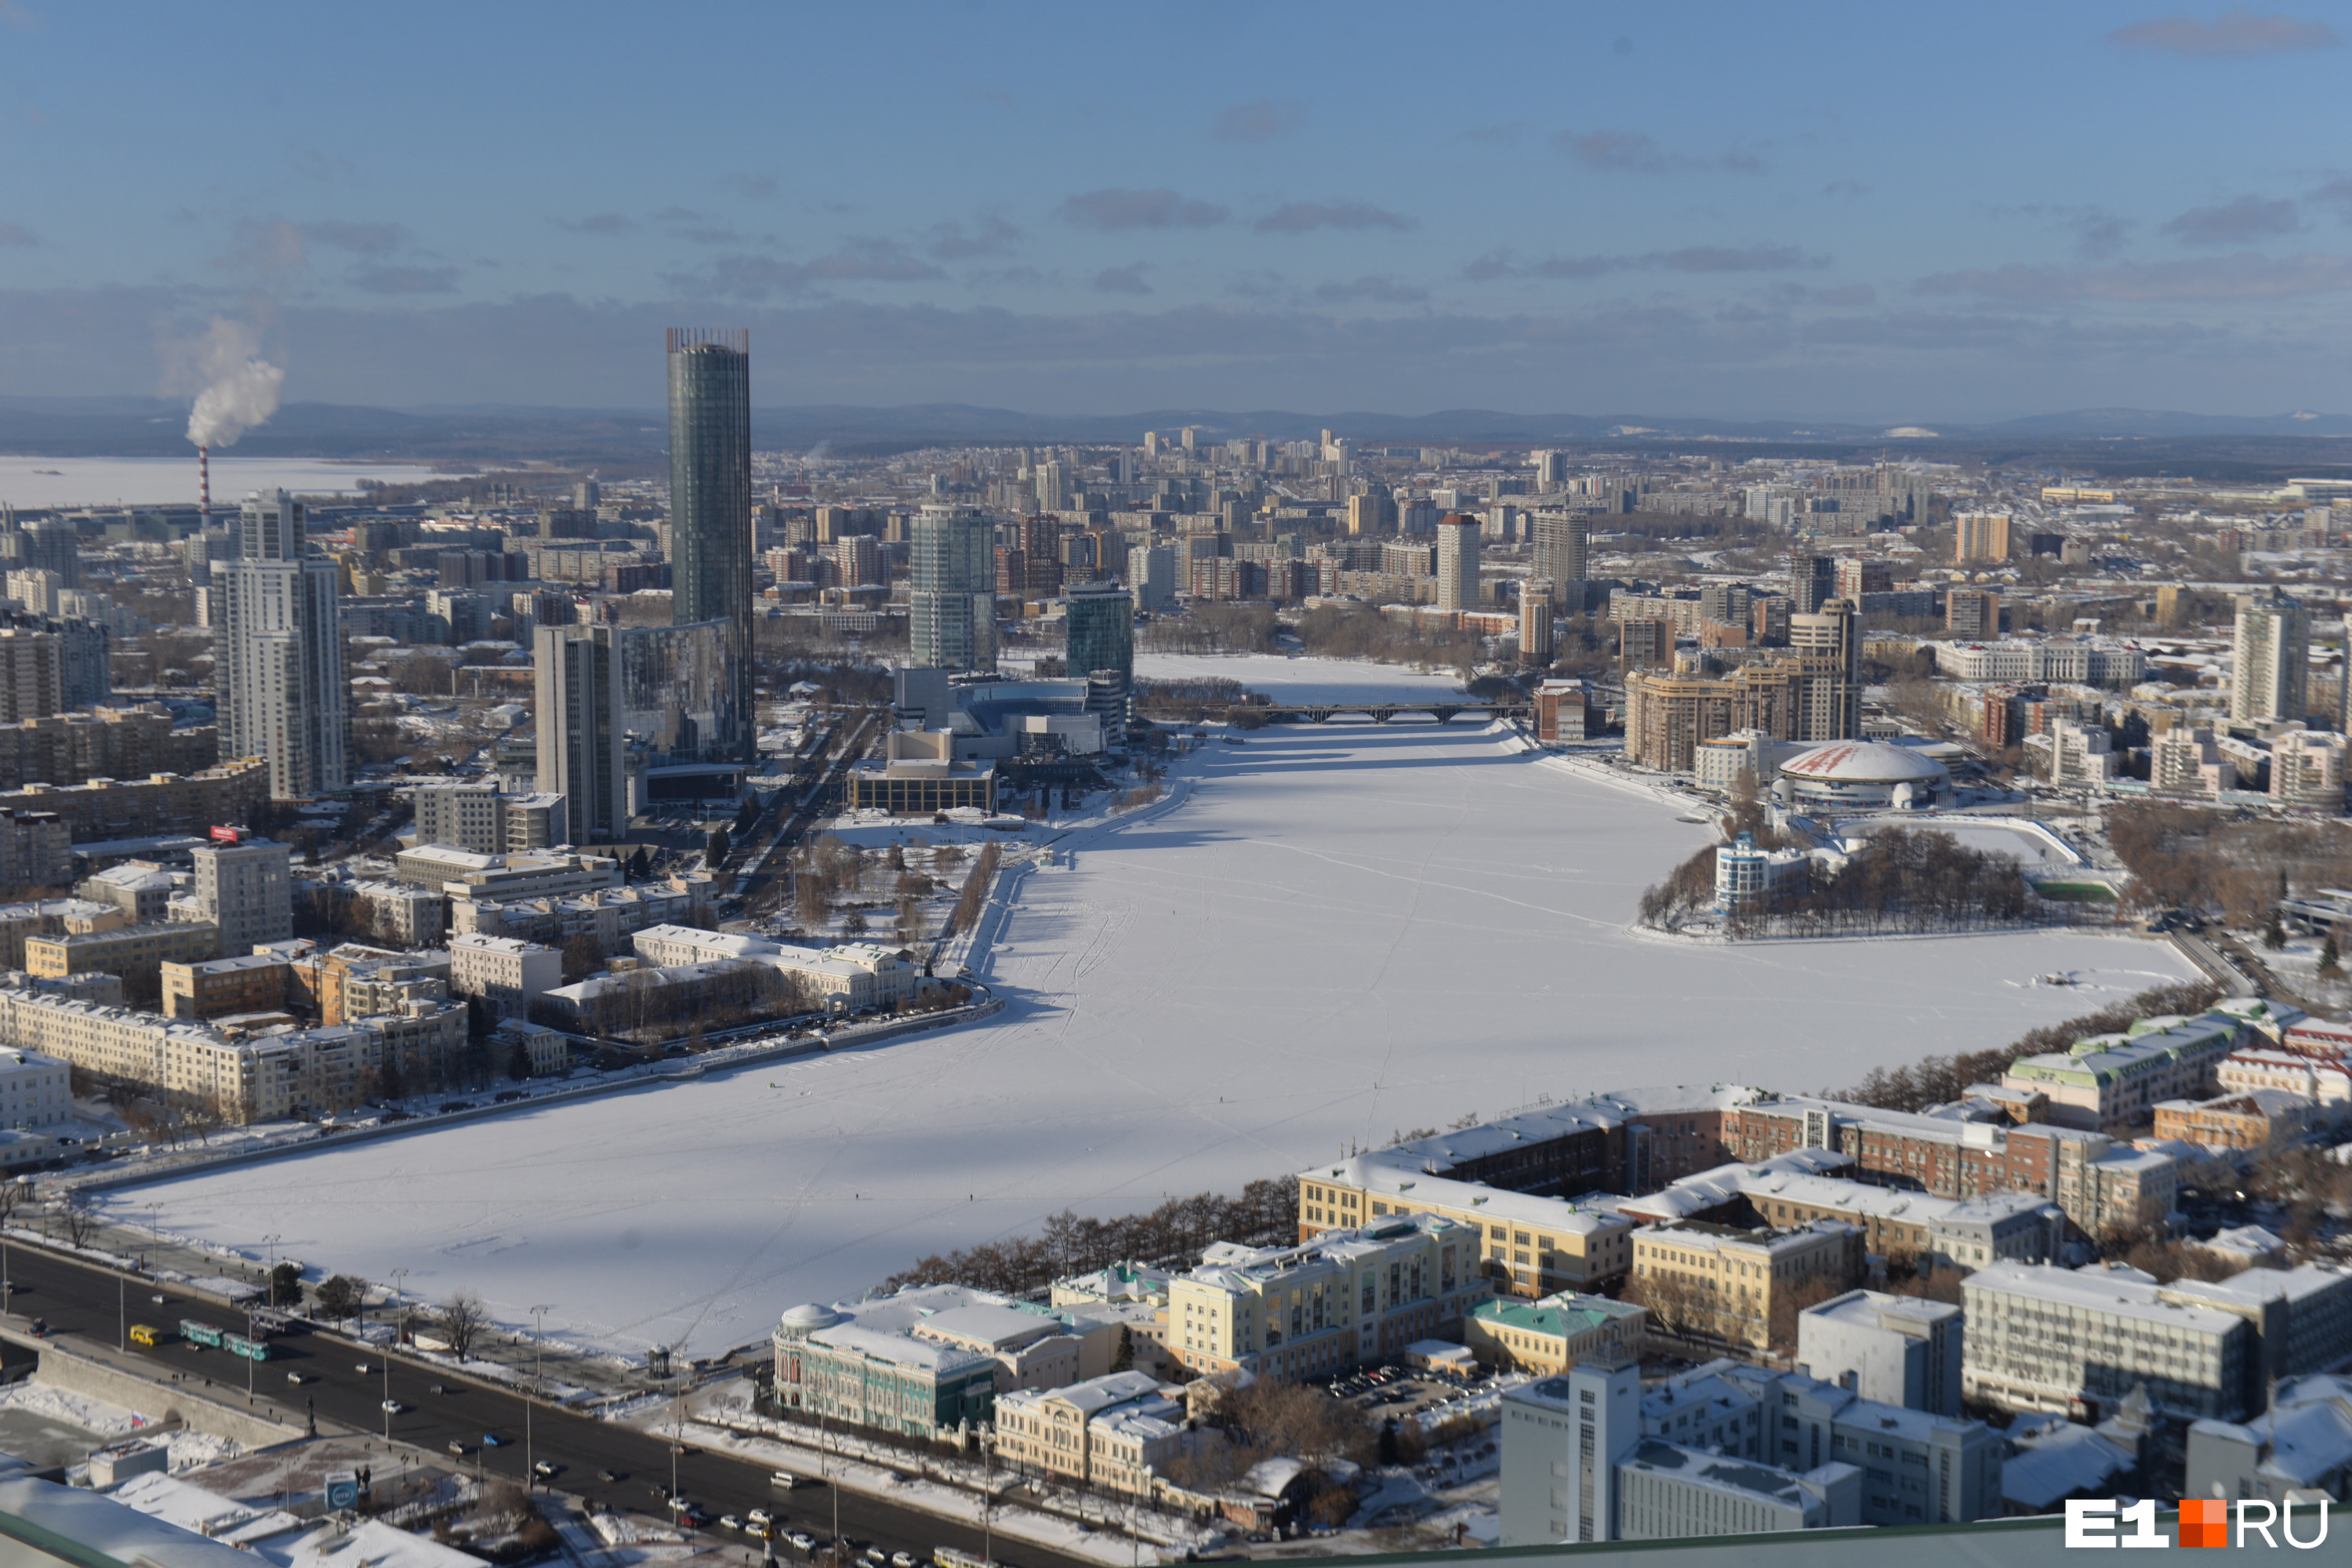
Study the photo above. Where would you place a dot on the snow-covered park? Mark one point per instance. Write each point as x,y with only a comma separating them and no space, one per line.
1339,933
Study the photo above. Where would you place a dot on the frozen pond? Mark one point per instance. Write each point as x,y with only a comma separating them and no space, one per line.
155,481
1345,932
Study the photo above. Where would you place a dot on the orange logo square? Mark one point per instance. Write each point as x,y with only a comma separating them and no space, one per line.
2204,1521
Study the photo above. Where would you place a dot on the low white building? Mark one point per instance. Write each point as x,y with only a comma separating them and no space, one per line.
851,977
36,1091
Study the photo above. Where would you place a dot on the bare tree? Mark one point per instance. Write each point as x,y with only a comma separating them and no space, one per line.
81,1218
461,1320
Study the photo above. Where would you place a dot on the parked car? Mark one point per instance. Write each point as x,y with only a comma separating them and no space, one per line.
759,1516
801,1541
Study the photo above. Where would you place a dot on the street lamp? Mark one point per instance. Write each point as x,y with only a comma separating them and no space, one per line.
538,1334
399,1303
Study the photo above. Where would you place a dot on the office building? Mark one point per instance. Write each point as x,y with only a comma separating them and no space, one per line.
279,680
927,1362
711,504
1895,1350
1100,631
1111,1433
1457,562
952,590
242,886
1644,643
2041,1338
1537,640
2185,760
1980,536
2271,664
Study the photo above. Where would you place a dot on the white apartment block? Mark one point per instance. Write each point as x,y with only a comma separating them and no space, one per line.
2323,1080
2081,754
1346,1297
36,1091
2186,761
849,977
260,1078
2307,769
506,972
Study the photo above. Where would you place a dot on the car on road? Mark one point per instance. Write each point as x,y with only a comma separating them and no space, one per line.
393,1407
784,1480
902,1560
434,1388
546,1468
608,1475
298,1378
729,1522
458,1447
457,1105
492,1440
759,1516
801,1541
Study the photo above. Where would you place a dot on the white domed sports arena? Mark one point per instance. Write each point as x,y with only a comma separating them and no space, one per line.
1848,776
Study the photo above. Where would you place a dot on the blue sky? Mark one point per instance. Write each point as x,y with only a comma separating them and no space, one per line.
1855,211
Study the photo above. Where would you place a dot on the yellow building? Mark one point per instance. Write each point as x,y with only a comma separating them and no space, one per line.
1549,1336
1527,1244
1718,1280
1345,1297
249,982
123,951
1112,1432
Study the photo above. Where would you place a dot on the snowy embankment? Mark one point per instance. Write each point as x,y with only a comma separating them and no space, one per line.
1344,931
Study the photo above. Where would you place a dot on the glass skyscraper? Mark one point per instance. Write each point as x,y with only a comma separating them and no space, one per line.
1100,631
710,498
952,590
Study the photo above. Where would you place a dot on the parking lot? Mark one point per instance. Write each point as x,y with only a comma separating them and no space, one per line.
1393,1390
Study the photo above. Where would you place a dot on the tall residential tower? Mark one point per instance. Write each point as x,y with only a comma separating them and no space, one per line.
952,590
279,680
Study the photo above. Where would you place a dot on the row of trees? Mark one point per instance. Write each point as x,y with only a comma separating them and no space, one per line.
1362,632
1213,628
2188,857
1188,700
1903,879
647,1006
1171,1235
1940,1079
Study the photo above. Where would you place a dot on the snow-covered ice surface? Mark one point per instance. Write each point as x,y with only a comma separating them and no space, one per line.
1344,931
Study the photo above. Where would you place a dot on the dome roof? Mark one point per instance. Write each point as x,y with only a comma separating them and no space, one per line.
809,1315
1864,761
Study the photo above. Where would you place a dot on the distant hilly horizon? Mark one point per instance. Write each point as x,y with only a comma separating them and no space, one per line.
474,434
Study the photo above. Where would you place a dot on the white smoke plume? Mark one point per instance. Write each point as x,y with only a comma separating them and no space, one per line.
237,389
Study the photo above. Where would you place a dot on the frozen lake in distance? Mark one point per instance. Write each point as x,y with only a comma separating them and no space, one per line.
160,481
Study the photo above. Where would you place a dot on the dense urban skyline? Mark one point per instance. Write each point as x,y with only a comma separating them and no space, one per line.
1841,213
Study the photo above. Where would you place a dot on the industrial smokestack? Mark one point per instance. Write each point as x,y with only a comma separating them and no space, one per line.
205,485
